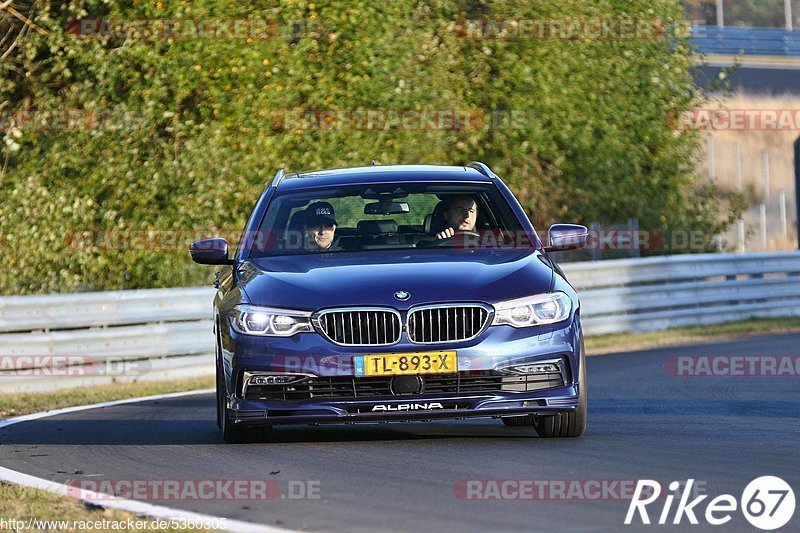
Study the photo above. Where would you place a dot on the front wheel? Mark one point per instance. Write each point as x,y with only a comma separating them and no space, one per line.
220,410
231,433
562,424
565,424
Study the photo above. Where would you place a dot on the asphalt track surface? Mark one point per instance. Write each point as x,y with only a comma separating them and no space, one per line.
643,423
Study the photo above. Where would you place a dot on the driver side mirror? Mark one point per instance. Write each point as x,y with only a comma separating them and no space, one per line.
210,252
561,237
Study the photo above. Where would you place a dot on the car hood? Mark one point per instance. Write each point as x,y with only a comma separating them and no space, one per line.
316,281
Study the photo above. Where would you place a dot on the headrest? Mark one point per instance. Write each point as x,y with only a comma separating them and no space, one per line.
376,227
296,221
435,222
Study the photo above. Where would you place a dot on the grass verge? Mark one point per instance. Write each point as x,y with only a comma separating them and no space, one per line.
35,509
33,402
626,342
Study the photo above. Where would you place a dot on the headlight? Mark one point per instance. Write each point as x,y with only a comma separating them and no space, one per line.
268,321
533,310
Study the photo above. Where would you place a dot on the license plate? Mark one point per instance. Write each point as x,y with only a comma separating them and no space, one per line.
401,364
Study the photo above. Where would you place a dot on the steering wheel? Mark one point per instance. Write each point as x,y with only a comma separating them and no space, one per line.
446,241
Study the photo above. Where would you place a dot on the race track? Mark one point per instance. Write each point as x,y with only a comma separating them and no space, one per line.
643,423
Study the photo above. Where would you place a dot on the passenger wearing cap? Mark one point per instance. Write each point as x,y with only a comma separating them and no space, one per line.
320,226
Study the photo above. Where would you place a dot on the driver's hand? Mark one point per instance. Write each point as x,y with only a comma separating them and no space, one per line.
446,234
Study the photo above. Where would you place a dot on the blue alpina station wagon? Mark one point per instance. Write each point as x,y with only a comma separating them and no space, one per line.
395,293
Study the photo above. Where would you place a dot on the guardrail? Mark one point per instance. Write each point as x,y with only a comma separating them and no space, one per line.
69,340
657,293
749,41
154,334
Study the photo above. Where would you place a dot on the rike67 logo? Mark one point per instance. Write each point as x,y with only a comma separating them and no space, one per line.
767,503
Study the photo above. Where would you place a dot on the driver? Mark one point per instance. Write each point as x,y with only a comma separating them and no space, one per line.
319,225
460,215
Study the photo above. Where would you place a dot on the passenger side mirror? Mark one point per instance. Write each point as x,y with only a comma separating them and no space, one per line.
210,252
561,237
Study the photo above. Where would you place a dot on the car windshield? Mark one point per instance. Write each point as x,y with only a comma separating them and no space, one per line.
387,216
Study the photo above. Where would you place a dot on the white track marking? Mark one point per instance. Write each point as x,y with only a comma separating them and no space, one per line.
54,412
102,500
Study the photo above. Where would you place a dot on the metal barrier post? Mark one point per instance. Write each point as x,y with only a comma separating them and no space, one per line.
782,208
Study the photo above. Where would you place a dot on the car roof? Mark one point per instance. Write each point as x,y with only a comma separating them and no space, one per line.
382,174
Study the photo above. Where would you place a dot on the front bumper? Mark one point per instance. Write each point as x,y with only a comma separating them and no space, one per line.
407,408
497,348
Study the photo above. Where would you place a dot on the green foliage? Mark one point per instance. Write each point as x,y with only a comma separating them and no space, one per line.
189,131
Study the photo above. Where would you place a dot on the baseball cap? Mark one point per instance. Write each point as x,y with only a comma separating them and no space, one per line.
320,214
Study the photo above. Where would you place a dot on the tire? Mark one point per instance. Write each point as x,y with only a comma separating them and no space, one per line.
233,434
219,404
571,424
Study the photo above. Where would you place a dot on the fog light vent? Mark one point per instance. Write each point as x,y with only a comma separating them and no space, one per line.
545,367
271,380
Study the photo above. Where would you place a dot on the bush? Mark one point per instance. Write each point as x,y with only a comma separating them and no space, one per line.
179,136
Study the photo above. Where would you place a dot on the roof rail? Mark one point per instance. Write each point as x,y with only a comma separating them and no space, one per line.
482,168
278,178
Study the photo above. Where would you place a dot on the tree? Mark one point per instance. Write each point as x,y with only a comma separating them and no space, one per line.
172,138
